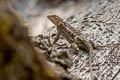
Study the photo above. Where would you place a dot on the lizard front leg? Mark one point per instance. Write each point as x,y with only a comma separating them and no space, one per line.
56,38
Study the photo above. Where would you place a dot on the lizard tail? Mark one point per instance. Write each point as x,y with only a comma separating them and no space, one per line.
90,62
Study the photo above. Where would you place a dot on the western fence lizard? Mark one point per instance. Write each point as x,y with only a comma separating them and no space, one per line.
73,36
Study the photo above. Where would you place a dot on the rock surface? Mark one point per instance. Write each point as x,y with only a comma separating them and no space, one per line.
99,21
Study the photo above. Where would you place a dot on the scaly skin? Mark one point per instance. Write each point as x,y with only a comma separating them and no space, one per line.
73,37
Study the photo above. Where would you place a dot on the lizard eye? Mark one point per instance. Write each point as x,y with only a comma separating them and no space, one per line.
59,19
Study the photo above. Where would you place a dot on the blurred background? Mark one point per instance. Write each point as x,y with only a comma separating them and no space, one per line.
34,12
98,19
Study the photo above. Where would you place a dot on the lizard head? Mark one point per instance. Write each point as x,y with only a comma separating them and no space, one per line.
55,20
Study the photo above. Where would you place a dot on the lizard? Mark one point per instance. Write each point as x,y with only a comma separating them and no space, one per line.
73,36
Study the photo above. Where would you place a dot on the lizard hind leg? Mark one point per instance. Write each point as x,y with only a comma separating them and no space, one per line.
75,47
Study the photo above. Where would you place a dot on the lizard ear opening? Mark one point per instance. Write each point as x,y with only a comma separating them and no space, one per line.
59,23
